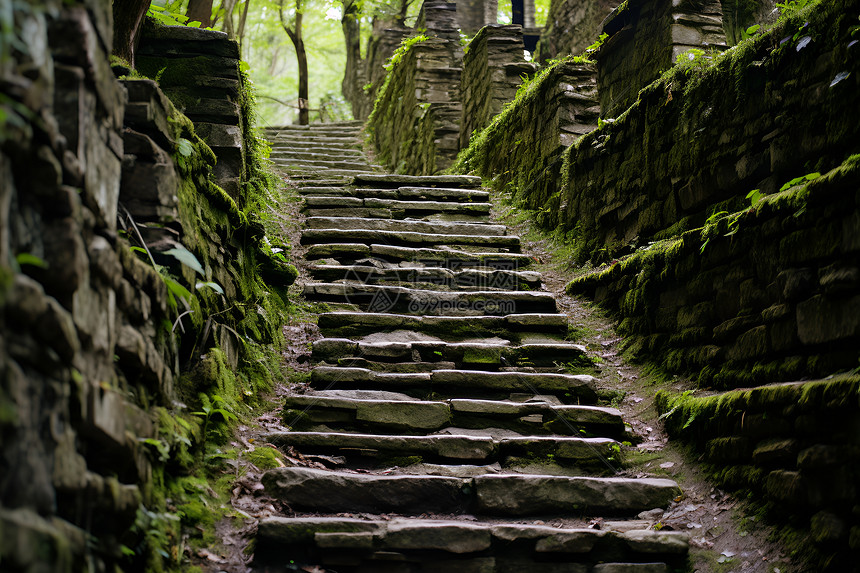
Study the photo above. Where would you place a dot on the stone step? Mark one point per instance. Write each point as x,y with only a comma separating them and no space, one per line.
309,172
333,191
451,328
291,164
317,149
328,155
407,238
381,412
382,298
579,452
485,355
323,202
469,279
410,194
331,183
405,226
333,125
570,388
308,489
339,132
300,140
447,257
433,546
395,180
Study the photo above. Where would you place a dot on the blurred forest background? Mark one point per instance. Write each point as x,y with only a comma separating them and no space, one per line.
259,28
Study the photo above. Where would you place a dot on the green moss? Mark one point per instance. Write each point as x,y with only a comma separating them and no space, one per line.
265,458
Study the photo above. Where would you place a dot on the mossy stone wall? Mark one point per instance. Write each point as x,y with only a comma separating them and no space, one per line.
765,294
414,127
701,138
795,447
493,68
521,149
97,366
645,37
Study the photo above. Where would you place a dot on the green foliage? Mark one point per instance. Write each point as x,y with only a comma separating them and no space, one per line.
792,7
405,45
29,259
695,59
187,258
213,410
597,44
800,180
170,15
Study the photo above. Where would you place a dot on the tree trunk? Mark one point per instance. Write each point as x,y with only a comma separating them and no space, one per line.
127,19
295,35
229,6
200,11
302,56
352,77
242,19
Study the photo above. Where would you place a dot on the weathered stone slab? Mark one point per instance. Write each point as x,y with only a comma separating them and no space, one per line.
430,302
410,225
450,536
303,530
404,415
574,385
442,446
391,180
315,236
449,326
571,449
535,495
443,193
319,490
672,542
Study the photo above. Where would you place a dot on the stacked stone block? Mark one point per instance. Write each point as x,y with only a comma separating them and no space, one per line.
493,69
795,446
199,71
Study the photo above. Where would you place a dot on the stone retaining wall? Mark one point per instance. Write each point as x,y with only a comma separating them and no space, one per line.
796,447
493,68
700,139
94,356
769,293
645,37
199,71
521,150
415,122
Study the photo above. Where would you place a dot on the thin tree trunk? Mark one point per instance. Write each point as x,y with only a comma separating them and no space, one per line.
229,6
200,11
241,34
127,19
295,35
351,26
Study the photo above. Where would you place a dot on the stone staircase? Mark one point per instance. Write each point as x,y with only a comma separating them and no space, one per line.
451,438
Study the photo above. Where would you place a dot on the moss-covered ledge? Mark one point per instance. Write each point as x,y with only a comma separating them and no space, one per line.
760,295
794,447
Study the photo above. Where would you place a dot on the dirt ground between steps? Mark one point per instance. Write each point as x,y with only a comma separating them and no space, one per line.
725,537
